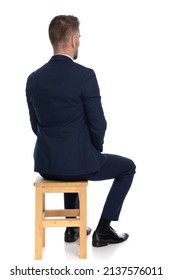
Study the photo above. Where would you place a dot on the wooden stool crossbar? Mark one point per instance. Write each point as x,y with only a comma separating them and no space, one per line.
57,218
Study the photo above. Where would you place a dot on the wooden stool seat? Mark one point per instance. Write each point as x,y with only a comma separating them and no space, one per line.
58,216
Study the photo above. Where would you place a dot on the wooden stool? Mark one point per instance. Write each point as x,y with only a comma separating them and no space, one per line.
42,215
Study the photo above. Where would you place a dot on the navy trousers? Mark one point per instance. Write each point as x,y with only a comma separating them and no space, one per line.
119,168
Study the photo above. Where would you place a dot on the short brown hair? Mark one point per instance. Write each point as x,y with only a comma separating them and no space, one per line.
61,27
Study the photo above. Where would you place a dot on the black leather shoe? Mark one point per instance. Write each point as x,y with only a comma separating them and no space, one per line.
72,233
109,237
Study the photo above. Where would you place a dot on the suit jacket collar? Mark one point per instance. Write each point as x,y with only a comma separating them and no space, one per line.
61,57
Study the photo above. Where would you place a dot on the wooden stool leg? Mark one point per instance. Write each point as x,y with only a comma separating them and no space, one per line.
44,234
38,223
83,225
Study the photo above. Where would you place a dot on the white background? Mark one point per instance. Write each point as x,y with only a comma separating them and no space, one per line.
129,44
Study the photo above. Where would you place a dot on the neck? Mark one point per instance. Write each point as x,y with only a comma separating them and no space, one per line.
63,52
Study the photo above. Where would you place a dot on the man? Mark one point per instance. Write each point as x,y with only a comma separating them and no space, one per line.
67,117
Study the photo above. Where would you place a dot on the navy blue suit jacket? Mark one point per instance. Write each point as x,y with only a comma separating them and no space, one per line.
67,117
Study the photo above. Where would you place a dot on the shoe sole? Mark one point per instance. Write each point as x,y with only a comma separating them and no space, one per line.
70,240
102,244
99,244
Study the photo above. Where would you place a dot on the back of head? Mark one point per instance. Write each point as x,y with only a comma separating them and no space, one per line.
60,29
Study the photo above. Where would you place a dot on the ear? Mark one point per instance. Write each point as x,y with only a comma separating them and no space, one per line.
73,41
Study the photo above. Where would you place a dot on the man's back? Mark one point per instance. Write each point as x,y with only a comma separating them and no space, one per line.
67,117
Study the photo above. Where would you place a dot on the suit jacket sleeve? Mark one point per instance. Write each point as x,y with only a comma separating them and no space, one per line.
94,111
32,114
